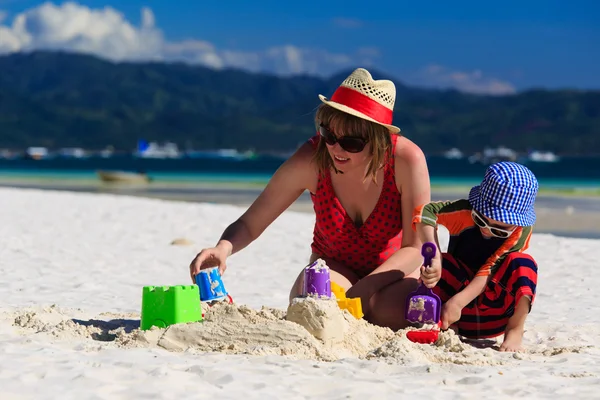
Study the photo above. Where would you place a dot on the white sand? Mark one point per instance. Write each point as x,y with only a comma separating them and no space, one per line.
72,271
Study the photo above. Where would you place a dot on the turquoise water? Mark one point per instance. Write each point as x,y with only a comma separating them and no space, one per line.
184,177
582,172
171,180
254,178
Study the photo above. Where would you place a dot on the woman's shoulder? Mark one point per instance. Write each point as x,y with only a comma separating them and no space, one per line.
298,170
410,170
303,157
408,154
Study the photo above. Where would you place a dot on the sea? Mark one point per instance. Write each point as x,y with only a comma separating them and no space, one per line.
569,183
567,173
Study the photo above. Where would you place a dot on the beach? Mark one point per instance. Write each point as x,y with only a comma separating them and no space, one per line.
74,265
572,214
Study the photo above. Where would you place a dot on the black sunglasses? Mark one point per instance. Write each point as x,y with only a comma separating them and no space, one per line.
482,223
351,144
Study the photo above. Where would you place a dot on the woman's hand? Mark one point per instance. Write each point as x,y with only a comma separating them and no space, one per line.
207,258
364,291
431,275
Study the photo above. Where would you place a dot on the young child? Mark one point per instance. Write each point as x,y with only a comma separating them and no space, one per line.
486,283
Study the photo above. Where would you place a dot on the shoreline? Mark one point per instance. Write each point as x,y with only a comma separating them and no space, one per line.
256,184
568,216
167,181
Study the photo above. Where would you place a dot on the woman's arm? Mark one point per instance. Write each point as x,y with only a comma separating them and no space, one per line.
412,180
295,175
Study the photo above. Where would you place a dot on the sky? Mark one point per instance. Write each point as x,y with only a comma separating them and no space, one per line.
474,46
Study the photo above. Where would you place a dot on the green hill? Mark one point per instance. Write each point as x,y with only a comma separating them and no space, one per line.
58,99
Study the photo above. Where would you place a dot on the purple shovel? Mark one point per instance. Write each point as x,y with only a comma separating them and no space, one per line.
423,306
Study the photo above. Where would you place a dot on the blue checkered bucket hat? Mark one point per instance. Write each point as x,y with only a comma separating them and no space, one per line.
506,194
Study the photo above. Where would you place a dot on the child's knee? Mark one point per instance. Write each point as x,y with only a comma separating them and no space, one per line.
521,269
520,258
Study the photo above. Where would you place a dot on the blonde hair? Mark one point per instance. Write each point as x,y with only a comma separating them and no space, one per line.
378,138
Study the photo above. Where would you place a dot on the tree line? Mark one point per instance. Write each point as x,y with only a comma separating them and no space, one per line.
58,99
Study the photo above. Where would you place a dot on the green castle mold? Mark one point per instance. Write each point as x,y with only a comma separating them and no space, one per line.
167,305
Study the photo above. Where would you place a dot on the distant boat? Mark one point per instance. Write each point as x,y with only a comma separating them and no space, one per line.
37,153
123,177
231,154
154,150
453,154
491,156
72,152
543,156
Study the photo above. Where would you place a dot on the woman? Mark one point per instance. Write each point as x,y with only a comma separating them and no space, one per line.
365,181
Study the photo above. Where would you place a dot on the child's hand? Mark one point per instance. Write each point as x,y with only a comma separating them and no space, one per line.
451,312
431,275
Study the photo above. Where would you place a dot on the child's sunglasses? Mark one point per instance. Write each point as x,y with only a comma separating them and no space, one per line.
482,223
351,144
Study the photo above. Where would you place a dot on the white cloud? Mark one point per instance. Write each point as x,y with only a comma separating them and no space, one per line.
471,82
77,28
9,41
194,52
147,18
106,32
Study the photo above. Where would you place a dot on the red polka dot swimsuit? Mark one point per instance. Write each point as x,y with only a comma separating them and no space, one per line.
336,237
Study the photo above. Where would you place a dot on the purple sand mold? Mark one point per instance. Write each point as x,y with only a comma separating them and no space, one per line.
317,281
431,311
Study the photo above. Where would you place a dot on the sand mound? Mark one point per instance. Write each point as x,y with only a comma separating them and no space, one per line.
310,329
59,323
449,349
321,318
237,329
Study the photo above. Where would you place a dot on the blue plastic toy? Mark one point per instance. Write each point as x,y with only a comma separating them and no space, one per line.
211,285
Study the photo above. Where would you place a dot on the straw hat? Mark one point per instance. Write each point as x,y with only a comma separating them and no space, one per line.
362,96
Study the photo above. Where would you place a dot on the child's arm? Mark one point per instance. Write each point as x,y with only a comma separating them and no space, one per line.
470,292
454,215
432,274
452,309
